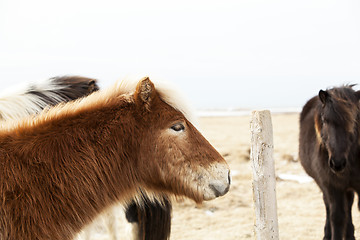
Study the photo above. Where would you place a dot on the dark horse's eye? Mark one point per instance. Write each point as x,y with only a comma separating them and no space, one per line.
178,127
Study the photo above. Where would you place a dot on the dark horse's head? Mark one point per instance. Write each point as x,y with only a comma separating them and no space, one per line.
336,124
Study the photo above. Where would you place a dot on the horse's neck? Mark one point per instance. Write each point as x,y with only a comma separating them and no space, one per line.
75,167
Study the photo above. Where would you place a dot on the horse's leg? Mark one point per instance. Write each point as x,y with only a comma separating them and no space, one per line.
134,216
350,226
338,212
327,228
152,219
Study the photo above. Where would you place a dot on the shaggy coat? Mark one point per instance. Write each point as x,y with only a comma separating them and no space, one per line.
65,166
329,152
152,217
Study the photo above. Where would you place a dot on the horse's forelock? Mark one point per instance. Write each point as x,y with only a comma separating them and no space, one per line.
172,96
343,107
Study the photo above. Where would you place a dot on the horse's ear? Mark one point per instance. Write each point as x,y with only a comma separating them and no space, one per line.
144,93
324,96
357,93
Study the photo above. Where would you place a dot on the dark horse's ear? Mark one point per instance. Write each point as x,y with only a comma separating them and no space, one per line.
144,93
357,93
324,96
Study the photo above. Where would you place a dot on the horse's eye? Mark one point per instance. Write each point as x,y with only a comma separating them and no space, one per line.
178,127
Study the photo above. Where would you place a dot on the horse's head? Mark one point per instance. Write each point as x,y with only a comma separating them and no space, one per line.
337,124
174,156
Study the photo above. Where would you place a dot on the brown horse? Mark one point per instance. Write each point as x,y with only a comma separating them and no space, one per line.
60,169
330,153
32,98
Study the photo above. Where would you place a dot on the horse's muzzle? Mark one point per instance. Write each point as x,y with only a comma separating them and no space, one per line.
220,188
337,165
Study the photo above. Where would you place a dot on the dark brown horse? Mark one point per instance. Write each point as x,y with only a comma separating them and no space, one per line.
330,153
62,168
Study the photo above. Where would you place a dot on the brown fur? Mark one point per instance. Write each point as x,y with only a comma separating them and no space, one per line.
153,217
62,168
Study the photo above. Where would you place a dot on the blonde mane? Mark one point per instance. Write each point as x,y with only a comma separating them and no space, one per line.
124,88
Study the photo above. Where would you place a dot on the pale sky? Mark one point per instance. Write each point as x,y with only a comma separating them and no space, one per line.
236,53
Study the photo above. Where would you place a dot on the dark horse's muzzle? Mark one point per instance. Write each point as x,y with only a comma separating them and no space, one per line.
337,165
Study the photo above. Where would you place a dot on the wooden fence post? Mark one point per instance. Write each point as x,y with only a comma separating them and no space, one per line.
264,189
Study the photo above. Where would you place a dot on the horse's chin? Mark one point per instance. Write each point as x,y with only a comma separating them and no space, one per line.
208,197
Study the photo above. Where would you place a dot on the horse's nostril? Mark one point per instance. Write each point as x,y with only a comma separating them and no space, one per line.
229,177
